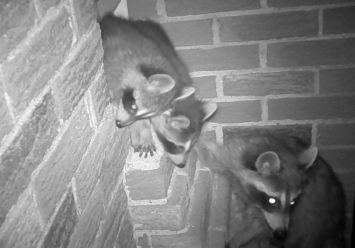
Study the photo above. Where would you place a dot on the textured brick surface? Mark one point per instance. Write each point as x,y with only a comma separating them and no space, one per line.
187,7
274,83
142,9
222,58
99,96
28,72
205,86
44,5
22,228
311,108
52,179
294,3
16,18
268,26
339,20
236,112
89,223
125,235
189,33
26,153
150,184
5,117
311,53
72,83
337,80
63,225
85,14
336,134
113,219
302,131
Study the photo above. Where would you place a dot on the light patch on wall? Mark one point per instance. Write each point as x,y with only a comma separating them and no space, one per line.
122,9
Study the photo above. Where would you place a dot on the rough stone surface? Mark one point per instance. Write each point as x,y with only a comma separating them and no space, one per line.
26,153
237,112
311,53
222,58
99,96
85,14
312,108
52,179
44,5
6,123
339,20
273,83
268,26
63,225
187,7
89,223
336,134
142,9
337,80
205,86
190,33
22,227
77,75
28,72
125,234
294,3
16,19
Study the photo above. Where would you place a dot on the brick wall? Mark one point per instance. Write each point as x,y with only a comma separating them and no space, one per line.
282,64
61,156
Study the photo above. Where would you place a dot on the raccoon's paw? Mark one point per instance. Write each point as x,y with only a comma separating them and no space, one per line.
147,149
144,145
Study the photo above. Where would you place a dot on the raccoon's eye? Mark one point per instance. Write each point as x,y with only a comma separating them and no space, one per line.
272,200
292,202
129,102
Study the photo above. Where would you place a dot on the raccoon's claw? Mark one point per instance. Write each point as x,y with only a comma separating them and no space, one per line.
150,149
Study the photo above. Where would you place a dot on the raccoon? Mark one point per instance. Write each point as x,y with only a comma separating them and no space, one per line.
299,196
145,75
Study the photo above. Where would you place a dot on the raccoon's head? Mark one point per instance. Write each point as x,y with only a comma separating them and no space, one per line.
277,184
179,128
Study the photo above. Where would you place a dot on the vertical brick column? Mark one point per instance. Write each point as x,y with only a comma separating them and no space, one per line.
61,156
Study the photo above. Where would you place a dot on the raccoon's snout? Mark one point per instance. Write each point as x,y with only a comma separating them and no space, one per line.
280,234
118,124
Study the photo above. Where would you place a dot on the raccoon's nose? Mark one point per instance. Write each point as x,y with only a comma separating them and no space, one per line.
181,165
118,124
280,234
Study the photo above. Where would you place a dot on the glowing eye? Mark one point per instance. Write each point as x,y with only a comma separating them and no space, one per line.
293,202
134,106
272,200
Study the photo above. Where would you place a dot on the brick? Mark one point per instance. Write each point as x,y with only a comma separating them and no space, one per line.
106,6
28,72
187,7
222,58
44,5
216,239
52,179
311,53
341,160
294,3
337,80
205,86
99,96
26,153
6,122
85,14
282,131
311,108
125,235
143,241
176,241
22,227
339,20
150,184
89,223
138,9
209,135
76,77
115,213
336,134
237,112
272,83
63,225
89,170
268,26
16,19
190,33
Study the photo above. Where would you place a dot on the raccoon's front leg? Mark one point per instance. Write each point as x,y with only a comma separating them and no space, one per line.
142,139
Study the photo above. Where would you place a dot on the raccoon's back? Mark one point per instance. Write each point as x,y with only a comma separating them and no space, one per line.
318,218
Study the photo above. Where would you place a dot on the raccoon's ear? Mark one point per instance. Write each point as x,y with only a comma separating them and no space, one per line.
179,122
209,108
308,156
160,83
268,163
185,93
